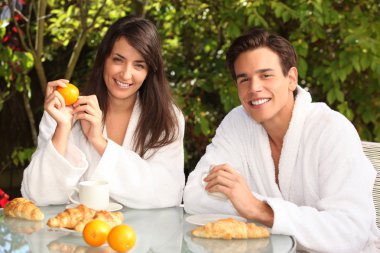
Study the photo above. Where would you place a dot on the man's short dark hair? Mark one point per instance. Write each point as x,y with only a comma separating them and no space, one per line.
256,38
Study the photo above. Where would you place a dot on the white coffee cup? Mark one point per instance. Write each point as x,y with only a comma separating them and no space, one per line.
217,195
93,194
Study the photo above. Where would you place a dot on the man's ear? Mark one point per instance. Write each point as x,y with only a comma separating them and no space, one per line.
293,78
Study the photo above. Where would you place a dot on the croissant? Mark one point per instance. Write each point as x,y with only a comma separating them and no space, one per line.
112,218
70,217
23,208
230,229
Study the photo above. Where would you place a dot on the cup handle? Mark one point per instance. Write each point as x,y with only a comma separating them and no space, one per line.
71,195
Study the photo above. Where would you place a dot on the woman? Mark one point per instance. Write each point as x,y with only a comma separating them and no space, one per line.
127,130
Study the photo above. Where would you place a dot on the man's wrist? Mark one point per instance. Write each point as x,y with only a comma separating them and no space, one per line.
262,212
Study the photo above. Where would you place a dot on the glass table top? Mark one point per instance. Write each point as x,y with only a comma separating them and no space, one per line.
158,230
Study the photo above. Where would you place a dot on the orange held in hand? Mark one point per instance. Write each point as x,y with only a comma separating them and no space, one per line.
70,93
122,238
95,233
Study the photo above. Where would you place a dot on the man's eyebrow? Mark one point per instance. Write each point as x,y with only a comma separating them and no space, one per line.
263,70
242,75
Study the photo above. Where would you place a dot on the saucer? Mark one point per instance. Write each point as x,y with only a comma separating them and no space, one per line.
111,207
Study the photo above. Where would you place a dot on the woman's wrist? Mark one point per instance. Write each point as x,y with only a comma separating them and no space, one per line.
60,137
99,144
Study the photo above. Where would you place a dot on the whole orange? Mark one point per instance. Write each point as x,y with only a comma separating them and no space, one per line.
70,93
95,232
121,238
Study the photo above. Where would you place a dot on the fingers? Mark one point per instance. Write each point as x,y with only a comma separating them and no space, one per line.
87,108
52,86
223,170
54,100
222,177
90,100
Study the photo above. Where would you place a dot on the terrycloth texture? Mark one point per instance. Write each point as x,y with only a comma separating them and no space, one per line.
325,195
134,182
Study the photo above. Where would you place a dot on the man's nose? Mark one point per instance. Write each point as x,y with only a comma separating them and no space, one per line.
255,85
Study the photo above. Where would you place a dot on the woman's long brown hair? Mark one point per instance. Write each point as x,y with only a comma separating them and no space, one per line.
157,125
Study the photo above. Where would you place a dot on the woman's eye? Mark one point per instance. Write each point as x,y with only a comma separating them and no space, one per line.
116,59
140,66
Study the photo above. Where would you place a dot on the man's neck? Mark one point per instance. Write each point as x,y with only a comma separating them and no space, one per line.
278,126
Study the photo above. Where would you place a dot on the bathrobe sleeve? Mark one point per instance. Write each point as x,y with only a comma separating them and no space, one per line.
341,219
50,177
224,148
155,182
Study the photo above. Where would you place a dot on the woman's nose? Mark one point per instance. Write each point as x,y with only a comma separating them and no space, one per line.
127,72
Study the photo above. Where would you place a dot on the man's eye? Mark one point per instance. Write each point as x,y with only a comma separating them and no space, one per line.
266,76
243,80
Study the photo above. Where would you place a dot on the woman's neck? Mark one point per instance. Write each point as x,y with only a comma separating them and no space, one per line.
121,106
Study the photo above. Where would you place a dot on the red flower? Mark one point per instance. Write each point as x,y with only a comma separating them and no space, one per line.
3,198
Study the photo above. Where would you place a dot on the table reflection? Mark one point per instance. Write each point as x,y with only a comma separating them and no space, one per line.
158,230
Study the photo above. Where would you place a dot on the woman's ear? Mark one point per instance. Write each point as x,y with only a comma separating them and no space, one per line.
293,78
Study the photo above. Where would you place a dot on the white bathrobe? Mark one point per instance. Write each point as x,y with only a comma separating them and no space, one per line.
326,181
134,182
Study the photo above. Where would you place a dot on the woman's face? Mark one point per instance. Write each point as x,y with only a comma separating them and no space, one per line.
125,70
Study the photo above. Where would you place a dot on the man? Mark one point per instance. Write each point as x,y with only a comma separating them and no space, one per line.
295,166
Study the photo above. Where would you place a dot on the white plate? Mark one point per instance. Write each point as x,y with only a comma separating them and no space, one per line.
72,231
112,206
202,219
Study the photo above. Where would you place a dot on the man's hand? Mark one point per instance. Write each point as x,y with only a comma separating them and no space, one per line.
223,178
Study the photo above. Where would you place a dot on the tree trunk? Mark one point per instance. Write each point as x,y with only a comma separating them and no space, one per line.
30,115
39,44
40,72
75,54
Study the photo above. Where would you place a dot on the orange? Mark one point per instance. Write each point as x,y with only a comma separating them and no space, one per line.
70,93
122,238
95,232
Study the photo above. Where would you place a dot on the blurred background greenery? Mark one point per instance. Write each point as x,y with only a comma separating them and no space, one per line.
338,43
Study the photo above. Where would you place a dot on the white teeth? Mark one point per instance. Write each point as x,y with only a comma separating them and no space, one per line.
122,85
260,101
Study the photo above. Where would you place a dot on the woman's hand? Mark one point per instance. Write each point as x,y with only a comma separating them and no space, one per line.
55,104
62,114
87,110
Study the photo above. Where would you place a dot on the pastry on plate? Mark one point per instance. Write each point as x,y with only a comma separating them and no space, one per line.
230,229
23,208
112,218
70,217
76,218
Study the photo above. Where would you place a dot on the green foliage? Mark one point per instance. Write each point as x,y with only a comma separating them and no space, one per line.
22,156
15,66
337,42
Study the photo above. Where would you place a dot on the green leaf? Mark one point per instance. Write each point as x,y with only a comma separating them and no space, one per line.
302,68
331,96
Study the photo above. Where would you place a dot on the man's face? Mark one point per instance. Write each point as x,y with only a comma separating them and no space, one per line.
265,93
